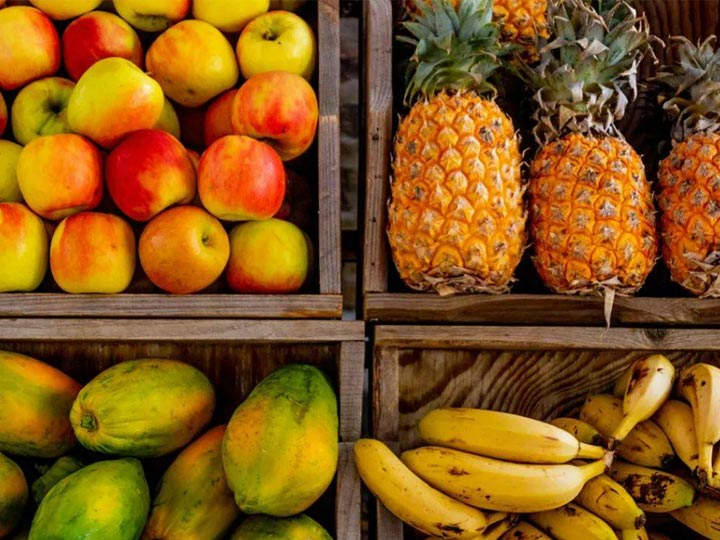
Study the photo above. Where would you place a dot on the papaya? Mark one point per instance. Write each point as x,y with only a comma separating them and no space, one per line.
193,500
268,528
142,408
280,449
35,401
13,495
105,500
63,467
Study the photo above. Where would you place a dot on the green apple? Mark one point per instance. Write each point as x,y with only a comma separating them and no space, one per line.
154,15
23,248
169,120
229,15
61,10
9,189
287,5
40,109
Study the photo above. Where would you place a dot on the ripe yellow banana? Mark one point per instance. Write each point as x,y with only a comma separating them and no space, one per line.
582,431
608,500
703,517
525,531
700,386
503,436
653,491
676,420
496,531
633,534
571,522
503,486
411,499
645,445
648,386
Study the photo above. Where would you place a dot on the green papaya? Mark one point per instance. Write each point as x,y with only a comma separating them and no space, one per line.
13,495
194,501
142,408
63,467
268,528
280,449
103,501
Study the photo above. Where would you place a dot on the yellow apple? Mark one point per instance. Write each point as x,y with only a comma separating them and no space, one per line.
229,15
61,10
40,109
114,97
193,62
23,248
169,121
277,41
9,189
153,15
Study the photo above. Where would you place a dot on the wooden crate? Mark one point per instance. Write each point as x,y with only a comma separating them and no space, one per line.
320,299
387,299
235,355
541,372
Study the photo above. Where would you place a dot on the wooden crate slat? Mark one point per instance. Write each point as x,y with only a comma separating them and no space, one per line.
348,503
352,372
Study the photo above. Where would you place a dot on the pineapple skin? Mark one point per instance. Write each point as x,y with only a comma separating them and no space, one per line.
689,202
592,217
456,218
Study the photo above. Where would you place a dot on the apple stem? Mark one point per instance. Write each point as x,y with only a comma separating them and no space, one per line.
269,36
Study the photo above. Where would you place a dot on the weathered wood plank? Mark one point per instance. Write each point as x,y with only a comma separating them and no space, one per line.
385,391
348,500
352,375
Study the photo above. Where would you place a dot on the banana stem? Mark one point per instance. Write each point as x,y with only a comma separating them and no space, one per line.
625,426
590,451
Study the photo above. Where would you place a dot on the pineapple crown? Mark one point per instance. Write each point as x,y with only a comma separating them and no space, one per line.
586,68
454,50
690,87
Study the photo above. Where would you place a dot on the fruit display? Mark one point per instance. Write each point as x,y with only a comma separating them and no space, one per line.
163,124
477,468
276,457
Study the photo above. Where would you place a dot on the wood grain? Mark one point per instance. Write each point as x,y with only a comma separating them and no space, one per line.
386,387
348,501
352,373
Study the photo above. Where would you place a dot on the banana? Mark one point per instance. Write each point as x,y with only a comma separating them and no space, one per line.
703,517
411,499
653,491
582,431
675,418
495,531
648,386
572,522
699,385
503,436
622,382
503,486
645,445
525,531
633,534
608,500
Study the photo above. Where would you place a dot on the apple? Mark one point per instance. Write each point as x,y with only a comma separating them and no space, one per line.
192,126
95,36
61,10
168,121
40,109
280,108
153,15
60,175
113,98
277,41
229,15
193,62
92,252
29,46
3,114
183,250
23,248
240,179
287,5
9,189
217,117
149,171
268,256
194,158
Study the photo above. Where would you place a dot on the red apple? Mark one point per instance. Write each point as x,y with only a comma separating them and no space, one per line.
280,108
60,175
184,249
240,179
217,117
148,172
29,46
95,36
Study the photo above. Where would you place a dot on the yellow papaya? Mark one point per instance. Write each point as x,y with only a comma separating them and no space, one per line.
13,495
280,449
193,500
142,408
35,401
268,528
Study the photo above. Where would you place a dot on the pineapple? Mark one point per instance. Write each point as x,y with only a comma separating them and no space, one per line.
456,218
592,219
689,177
